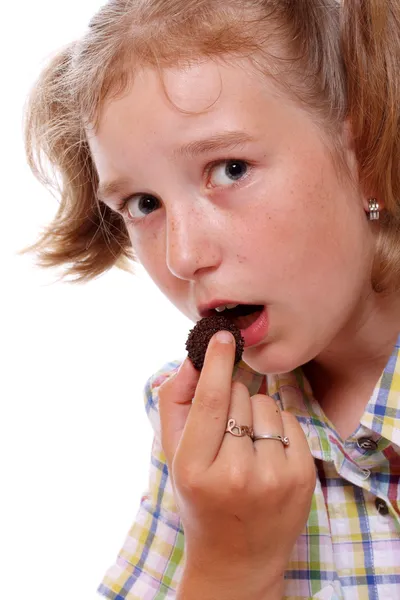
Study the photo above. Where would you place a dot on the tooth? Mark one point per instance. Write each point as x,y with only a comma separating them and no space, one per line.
227,306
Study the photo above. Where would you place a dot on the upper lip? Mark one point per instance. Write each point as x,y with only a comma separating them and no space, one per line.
206,310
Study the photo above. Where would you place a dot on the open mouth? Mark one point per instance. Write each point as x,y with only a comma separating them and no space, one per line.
243,315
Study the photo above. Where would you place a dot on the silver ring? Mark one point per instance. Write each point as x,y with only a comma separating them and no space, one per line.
264,436
242,430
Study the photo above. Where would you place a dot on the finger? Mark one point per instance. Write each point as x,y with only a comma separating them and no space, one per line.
175,401
298,454
267,420
241,449
206,423
298,450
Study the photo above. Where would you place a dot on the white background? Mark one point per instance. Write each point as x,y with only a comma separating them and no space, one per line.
75,440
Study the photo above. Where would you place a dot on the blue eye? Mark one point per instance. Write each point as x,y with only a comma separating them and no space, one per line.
144,203
227,172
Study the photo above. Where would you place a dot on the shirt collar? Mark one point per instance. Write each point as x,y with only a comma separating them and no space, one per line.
382,413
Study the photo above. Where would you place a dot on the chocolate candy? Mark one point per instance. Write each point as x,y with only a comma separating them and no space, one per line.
200,335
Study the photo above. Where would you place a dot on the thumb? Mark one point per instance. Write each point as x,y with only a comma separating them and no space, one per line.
175,401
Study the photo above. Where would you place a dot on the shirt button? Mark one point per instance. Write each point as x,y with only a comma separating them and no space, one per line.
381,506
366,444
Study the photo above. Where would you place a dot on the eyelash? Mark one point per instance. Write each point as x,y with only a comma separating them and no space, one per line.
122,206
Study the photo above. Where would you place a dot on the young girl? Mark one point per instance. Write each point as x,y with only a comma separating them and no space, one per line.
247,152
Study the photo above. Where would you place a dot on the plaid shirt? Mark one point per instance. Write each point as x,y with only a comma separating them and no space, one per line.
350,547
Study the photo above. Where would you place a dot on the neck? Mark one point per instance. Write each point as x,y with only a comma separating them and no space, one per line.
344,375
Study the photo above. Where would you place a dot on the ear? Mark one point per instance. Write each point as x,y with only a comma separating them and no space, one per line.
349,148
350,157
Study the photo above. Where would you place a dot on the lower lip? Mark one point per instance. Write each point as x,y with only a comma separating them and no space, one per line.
257,331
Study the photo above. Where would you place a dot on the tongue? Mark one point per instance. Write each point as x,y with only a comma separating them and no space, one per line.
245,322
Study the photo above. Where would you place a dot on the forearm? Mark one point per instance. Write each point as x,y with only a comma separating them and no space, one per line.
197,586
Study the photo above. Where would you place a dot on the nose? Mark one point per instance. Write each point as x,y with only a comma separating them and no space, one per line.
191,243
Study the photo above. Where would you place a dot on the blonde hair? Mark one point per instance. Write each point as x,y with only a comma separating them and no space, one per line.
340,59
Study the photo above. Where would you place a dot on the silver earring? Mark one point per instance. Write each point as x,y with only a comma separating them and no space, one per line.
373,209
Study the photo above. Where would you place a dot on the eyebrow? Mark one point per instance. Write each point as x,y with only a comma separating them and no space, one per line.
228,140
222,141
112,188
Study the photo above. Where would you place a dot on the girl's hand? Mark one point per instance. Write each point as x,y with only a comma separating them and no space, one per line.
242,503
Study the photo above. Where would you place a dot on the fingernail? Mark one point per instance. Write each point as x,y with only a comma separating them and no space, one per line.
224,337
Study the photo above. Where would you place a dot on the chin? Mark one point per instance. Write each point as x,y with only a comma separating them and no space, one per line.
272,359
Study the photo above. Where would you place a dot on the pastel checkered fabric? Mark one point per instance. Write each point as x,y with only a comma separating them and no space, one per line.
350,547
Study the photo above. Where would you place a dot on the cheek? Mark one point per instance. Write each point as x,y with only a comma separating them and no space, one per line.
308,232
149,248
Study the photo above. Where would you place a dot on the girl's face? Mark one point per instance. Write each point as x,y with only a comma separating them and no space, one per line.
232,194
